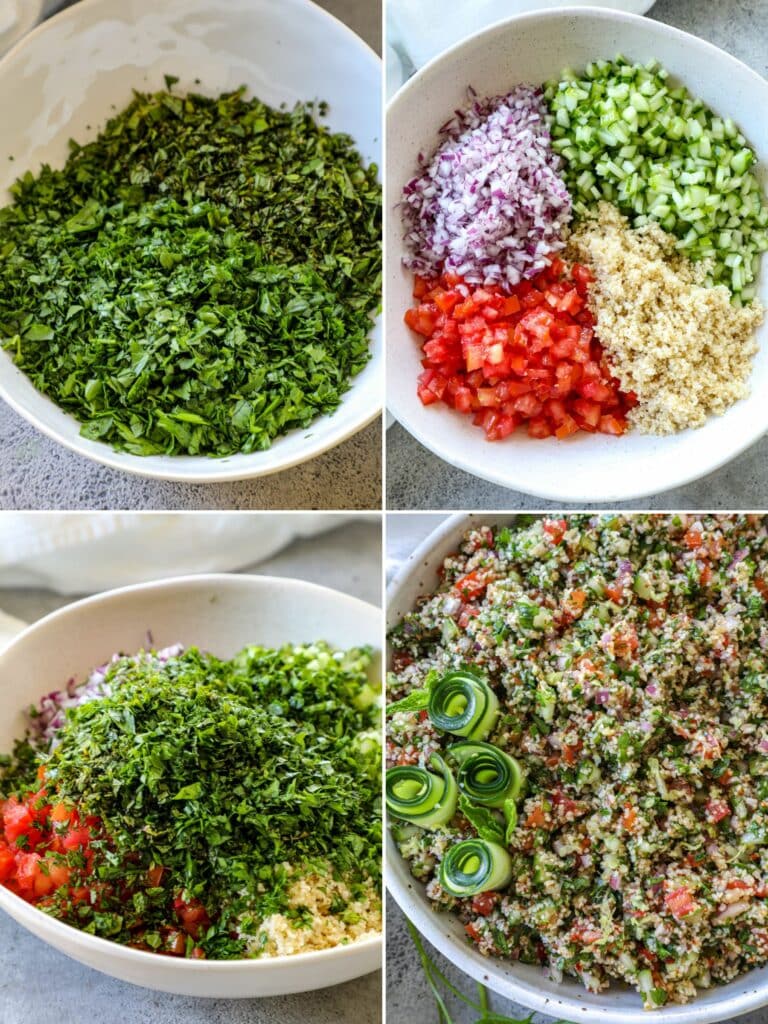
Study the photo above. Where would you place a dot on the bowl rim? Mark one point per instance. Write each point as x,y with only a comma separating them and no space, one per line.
429,435
23,911
408,892
219,470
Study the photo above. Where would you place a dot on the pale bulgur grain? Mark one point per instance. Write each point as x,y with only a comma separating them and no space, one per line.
319,894
684,349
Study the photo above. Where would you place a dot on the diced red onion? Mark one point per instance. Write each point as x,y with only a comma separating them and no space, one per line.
490,204
51,712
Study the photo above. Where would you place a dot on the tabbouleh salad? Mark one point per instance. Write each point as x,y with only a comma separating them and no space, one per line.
578,747
206,808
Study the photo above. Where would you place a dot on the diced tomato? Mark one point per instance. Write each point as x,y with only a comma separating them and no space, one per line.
571,752
680,903
420,287
615,592
59,873
612,425
467,612
555,529
7,863
629,818
693,538
193,916
175,942
539,426
717,810
537,818
472,932
582,276
155,876
528,358
60,812
76,838
470,586
567,427
17,820
484,902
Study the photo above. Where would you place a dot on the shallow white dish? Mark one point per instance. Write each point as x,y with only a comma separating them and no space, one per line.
524,983
60,83
220,613
533,48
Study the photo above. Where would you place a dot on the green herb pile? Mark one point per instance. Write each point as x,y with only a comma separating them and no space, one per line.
199,279
223,773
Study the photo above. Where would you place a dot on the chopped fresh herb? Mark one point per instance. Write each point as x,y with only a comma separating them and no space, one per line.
211,788
199,279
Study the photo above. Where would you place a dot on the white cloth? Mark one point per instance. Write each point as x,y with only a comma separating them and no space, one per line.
420,29
76,552
17,17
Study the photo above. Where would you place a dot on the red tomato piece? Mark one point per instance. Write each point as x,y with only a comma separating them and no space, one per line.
680,903
484,902
717,810
7,863
527,357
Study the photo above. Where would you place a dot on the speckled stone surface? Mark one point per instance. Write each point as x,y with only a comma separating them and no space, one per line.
39,985
38,473
418,479
408,999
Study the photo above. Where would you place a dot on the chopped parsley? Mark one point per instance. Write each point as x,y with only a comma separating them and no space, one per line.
199,279
218,784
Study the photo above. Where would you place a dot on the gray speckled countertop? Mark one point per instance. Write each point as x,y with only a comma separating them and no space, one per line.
418,479
408,998
38,473
40,985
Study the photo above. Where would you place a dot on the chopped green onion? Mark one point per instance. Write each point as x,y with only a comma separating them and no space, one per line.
475,866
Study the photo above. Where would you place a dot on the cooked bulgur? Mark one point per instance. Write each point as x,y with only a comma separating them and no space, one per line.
684,349
635,700
331,914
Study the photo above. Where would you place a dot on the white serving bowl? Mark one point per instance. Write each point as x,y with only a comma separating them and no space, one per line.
62,81
524,983
533,48
219,613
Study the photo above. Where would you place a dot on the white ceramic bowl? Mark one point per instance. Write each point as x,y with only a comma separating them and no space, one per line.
61,82
220,613
524,983
533,48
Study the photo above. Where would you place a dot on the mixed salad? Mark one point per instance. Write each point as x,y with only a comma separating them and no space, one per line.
586,254
578,751
197,807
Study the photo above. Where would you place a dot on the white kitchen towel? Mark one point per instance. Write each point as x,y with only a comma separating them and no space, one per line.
420,29
17,17
76,552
